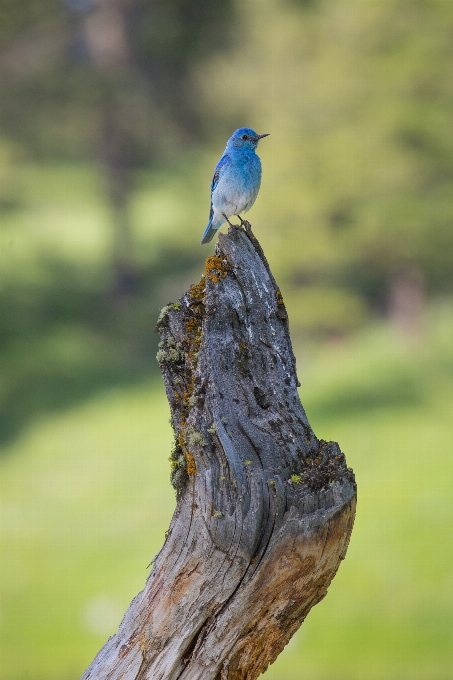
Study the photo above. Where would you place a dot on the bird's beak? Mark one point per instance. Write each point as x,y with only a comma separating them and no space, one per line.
261,136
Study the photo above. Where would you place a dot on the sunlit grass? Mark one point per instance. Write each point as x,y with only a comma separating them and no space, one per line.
61,211
86,501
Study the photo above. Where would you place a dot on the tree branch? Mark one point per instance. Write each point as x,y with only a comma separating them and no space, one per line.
265,509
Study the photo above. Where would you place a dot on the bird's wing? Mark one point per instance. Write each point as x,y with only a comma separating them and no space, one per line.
223,162
221,165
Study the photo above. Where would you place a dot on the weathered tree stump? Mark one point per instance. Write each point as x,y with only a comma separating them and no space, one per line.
265,509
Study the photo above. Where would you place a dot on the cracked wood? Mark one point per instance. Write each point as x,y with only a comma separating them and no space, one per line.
265,509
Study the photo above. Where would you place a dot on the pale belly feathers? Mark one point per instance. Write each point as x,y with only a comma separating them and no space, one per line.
236,191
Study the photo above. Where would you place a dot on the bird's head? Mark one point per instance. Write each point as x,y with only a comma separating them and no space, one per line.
245,138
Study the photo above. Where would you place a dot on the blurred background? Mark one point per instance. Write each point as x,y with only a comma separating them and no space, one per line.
113,114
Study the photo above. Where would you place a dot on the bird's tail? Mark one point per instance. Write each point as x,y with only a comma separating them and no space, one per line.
208,233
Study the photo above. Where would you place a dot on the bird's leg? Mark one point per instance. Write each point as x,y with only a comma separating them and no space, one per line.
231,225
245,223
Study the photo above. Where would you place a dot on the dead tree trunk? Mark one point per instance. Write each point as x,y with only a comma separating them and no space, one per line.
265,509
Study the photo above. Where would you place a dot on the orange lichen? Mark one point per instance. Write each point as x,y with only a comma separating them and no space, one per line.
191,467
197,292
193,314
197,295
281,310
216,268
193,325
181,440
194,337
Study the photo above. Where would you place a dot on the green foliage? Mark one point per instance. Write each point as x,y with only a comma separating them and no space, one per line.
358,170
16,18
69,90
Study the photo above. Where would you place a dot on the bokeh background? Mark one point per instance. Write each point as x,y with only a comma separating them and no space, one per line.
113,114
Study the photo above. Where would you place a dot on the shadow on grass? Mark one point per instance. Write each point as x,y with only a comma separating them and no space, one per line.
387,390
77,332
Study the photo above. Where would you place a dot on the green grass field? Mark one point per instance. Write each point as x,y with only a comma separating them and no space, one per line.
86,501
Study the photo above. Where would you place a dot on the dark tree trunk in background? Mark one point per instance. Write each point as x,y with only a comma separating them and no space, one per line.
117,168
265,509
107,43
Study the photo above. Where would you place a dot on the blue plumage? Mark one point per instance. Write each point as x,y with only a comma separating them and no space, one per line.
236,180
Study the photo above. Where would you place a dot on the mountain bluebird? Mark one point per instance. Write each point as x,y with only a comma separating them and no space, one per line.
236,180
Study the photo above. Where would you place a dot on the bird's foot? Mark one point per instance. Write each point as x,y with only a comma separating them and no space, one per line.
234,226
246,224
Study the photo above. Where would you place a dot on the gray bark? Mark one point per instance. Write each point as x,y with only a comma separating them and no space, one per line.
265,509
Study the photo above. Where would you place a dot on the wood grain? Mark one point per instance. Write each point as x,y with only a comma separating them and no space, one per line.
265,509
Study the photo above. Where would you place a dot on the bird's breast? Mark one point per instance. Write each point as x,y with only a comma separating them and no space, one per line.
238,187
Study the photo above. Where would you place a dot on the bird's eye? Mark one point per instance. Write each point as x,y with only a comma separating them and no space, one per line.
244,137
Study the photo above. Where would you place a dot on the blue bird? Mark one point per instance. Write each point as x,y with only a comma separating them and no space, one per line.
236,180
